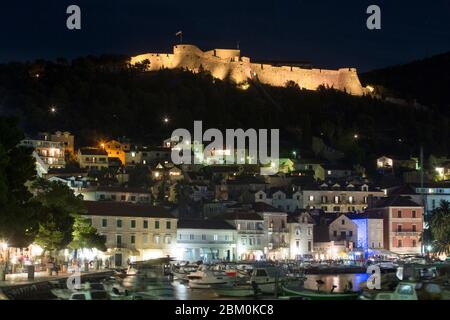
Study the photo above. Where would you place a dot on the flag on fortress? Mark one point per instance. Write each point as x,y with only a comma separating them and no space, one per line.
179,33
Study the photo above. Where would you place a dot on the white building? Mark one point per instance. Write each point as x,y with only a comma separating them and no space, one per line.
133,232
288,201
250,233
276,232
50,152
300,235
337,198
206,240
118,194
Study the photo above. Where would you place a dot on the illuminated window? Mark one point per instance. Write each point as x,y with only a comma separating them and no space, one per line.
311,198
216,237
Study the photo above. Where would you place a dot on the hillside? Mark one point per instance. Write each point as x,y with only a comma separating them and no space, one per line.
103,97
426,80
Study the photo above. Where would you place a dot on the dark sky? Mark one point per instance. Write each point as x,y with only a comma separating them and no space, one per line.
327,33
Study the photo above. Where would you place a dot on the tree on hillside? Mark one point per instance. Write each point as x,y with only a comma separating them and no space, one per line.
17,215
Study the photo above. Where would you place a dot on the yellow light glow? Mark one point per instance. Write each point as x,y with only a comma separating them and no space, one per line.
370,88
156,174
4,245
244,86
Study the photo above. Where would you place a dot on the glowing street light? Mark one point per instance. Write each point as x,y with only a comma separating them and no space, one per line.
166,120
53,109
356,136
294,153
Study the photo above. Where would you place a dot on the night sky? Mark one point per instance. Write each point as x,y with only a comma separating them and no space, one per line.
328,33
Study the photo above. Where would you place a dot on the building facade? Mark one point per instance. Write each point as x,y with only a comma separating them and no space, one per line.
337,198
133,232
206,240
300,235
250,234
92,158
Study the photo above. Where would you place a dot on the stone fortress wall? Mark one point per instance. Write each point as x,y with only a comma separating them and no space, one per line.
224,63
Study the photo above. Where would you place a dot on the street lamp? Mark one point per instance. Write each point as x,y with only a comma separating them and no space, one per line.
294,153
166,120
356,136
53,109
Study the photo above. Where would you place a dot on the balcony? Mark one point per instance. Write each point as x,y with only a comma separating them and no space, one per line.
277,230
251,231
406,233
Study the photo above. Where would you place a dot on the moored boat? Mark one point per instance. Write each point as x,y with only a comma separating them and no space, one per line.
310,294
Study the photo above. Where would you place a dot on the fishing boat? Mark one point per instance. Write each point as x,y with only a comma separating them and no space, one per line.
267,278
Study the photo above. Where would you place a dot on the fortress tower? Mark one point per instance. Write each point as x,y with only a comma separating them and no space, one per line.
223,63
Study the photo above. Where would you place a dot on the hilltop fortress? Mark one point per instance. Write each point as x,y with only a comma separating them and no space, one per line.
224,63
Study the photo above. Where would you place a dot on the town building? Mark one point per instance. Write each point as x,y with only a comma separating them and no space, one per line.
250,233
339,198
51,153
403,224
117,194
369,232
276,232
287,199
206,240
116,149
300,225
324,247
92,158
133,232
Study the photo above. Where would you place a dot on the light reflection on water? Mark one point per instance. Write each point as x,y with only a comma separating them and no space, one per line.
339,280
181,290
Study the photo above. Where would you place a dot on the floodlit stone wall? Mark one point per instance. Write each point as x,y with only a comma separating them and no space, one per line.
228,63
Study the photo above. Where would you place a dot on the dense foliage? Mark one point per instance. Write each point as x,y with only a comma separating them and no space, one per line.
104,97
425,80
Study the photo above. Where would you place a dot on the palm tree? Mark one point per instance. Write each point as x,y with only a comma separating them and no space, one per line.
440,228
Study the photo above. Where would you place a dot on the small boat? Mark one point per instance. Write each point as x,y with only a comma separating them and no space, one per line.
206,278
182,272
267,277
309,294
238,290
